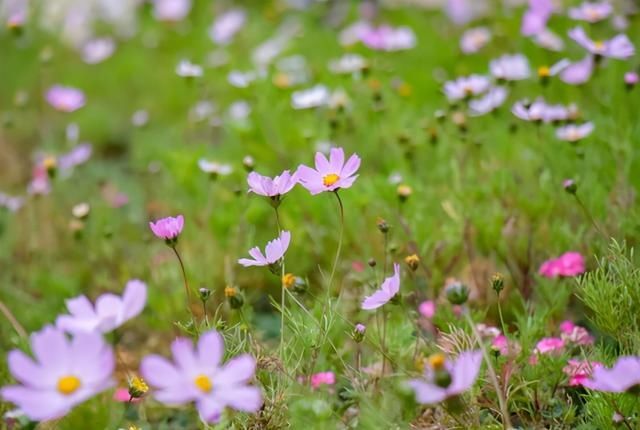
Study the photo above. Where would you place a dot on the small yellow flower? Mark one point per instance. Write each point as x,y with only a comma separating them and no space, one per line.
412,261
230,292
544,72
137,387
288,280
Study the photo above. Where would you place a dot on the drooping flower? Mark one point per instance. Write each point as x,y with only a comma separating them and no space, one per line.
64,373
322,378
273,188
623,376
65,99
493,99
465,87
329,175
227,25
273,253
591,12
568,264
110,311
171,10
574,132
580,371
387,38
510,67
387,291
444,379
619,47
198,375
474,39
168,228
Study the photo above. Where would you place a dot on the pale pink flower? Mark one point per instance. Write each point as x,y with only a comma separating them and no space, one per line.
198,375
574,132
387,291
97,50
329,175
65,99
168,228
387,38
474,39
530,111
619,47
273,253
577,73
547,39
591,12
535,18
187,69
227,25
465,87
493,99
580,371
427,309
547,346
622,377
171,10
631,78
510,67
501,344
80,154
40,183
322,378
11,203
272,187
463,373
568,264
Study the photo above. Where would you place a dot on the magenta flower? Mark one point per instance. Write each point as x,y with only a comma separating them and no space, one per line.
65,99
109,312
591,12
329,175
64,373
549,345
40,183
274,251
623,376
427,309
322,378
168,228
273,188
631,79
575,334
568,264
580,371
619,47
500,343
574,132
387,291
465,87
197,375
510,67
444,379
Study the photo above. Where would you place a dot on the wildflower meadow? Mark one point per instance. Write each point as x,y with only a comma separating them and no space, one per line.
319,214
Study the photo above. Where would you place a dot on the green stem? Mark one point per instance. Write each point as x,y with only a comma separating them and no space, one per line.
587,213
186,286
282,287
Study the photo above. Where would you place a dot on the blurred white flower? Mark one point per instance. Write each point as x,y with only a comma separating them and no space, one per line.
187,69
310,98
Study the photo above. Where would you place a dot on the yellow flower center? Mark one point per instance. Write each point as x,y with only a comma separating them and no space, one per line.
599,45
138,385
49,163
203,382
436,361
330,179
544,72
68,385
288,280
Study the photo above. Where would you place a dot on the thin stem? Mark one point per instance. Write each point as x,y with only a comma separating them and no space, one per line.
186,285
500,314
12,320
386,245
204,310
384,340
339,249
282,287
506,421
587,213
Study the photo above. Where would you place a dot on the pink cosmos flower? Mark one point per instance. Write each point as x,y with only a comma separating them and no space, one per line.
574,132
619,47
501,344
387,38
227,25
591,12
274,188
580,371
197,375
462,374
171,10
529,111
547,39
387,291
322,378
97,50
465,87
427,309
274,252
579,72
168,228
80,154
493,99
329,175
109,312
510,67
474,39
631,78
624,375
568,264
535,18
40,183
64,373
549,345
575,334
65,99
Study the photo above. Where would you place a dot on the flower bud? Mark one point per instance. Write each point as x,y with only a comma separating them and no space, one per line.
358,332
248,163
204,294
497,283
570,186
383,226
457,293
372,262
404,191
81,210
50,164
413,261
234,297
